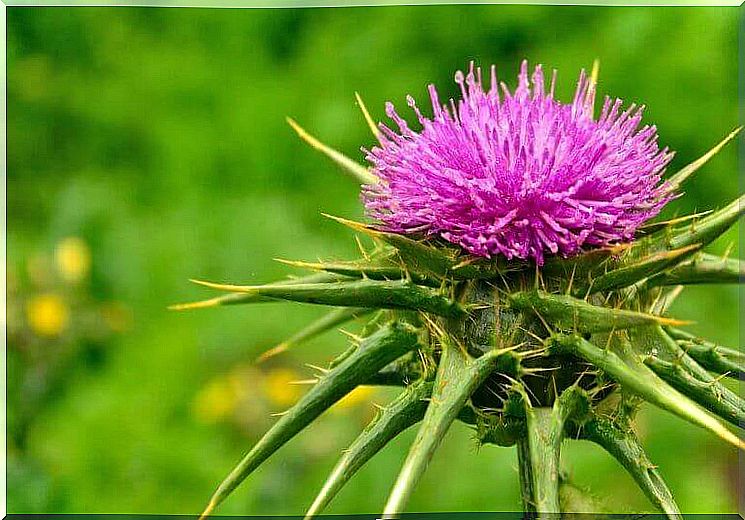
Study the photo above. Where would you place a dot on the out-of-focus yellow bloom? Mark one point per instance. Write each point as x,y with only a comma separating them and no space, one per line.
279,389
240,379
73,259
47,314
215,401
358,396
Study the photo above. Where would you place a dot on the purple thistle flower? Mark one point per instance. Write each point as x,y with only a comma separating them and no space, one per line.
518,174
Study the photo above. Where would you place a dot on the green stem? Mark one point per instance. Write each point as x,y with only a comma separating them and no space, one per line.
539,451
526,476
545,432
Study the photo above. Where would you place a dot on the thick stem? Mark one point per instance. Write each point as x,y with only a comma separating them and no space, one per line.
539,463
526,475
545,432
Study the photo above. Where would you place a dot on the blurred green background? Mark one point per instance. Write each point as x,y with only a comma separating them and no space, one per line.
149,146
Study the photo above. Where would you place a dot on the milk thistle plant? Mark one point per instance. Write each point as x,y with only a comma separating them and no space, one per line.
516,285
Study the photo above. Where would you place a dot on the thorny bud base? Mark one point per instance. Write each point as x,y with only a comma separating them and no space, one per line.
515,287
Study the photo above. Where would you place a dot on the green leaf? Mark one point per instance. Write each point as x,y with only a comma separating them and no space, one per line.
238,299
364,269
702,269
584,269
630,273
406,410
627,369
375,352
569,313
719,359
669,361
375,294
705,394
653,227
441,262
458,376
705,230
624,446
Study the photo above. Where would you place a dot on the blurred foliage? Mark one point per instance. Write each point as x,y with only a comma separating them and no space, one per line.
147,146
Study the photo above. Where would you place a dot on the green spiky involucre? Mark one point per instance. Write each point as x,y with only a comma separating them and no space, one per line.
528,356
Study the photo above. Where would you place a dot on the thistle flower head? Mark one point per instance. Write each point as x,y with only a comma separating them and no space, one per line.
518,173
527,356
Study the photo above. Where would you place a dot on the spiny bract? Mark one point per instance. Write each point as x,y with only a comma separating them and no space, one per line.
476,323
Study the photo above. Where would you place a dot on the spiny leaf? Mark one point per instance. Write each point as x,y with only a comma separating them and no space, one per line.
375,352
406,410
374,271
703,393
458,376
711,356
326,322
624,446
416,255
633,375
419,257
374,294
237,299
707,229
702,269
629,274
567,312
669,361
219,301
585,268
676,180
356,170
701,231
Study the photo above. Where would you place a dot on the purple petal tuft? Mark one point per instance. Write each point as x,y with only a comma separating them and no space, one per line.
518,173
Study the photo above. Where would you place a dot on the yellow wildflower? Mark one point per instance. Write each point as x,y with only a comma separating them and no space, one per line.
47,314
279,389
215,401
358,396
73,259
